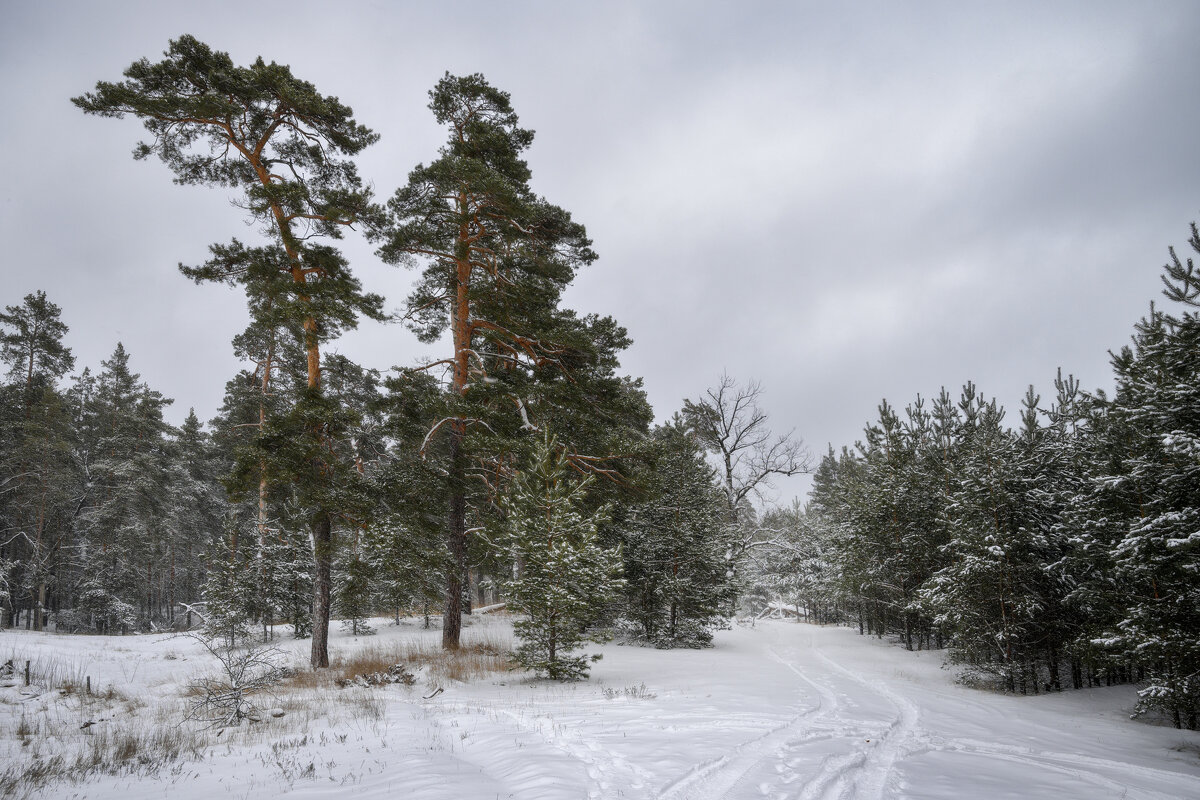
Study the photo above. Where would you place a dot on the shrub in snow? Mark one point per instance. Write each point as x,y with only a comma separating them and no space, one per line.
104,610
245,672
397,673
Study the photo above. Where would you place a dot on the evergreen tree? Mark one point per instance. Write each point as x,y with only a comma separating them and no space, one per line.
31,341
835,483
355,597
229,592
562,576
126,516
495,259
406,537
990,596
37,476
1156,557
888,510
677,545
194,512
287,148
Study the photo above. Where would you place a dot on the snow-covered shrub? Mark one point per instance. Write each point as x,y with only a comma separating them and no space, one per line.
107,612
246,672
694,633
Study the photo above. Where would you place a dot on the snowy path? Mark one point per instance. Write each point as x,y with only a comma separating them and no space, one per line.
782,711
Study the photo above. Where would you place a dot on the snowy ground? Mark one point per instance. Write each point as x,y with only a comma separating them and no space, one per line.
784,710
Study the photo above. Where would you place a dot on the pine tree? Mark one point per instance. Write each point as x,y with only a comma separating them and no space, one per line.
37,476
888,513
495,259
125,520
355,598
677,545
194,512
1156,557
287,148
835,481
406,537
562,576
31,342
229,592
989,598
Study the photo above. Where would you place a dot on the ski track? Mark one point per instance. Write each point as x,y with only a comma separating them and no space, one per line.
820,752
716,777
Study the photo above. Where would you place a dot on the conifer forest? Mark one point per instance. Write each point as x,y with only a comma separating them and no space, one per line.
1037,546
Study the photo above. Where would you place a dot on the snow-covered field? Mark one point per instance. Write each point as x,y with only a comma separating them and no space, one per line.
783,710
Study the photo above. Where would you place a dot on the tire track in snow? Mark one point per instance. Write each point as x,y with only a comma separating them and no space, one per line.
821,752
717,777
609,774
833,778
1086,768
905,738
900,738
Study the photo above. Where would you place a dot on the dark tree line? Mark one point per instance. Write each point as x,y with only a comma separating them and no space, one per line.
115,521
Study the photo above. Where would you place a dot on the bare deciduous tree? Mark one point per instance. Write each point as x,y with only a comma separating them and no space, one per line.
730,424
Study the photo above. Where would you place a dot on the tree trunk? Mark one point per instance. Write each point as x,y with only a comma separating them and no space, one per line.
322,560
37,555
150,592
460,316
468,589
457,542
40,613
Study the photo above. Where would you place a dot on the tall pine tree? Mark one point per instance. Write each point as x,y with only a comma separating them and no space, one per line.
494,260
287,148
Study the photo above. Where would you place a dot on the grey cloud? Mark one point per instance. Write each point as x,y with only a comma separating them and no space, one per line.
846,202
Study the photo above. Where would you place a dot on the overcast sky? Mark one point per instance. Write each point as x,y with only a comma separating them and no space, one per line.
845,201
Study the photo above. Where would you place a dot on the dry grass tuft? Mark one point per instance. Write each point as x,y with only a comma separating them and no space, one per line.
74,735
49,671
111,752
471,661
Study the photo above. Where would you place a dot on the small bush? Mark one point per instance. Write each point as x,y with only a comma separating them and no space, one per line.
397,673
228,700
639,692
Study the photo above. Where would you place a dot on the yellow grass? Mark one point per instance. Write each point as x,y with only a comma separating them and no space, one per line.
471,661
